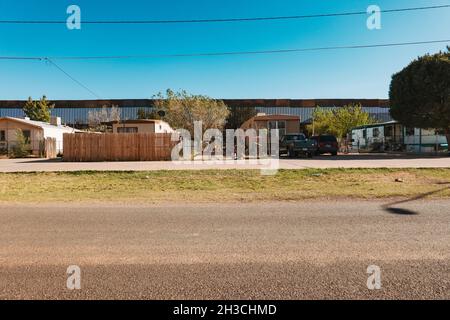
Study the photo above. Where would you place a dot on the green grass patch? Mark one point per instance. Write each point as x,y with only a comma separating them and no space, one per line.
222,185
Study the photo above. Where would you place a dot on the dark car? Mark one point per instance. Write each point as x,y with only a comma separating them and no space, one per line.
326,143
294,145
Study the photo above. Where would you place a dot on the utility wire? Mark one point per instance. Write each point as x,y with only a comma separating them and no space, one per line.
229,53
50,59
295,17
72,78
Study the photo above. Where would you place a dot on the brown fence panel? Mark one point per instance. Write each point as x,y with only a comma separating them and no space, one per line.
50,151
86,147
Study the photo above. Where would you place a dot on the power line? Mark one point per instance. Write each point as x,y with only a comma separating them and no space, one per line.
72,78
50,59
229,53
295,17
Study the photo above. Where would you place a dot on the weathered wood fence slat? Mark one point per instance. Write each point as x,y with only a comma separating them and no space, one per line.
50,151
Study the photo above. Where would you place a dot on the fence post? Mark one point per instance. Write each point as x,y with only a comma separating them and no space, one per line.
49,148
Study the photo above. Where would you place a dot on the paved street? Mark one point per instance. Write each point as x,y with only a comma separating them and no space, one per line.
322,162
307,250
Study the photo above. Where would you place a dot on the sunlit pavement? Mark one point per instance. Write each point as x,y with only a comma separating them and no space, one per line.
322,162
307,250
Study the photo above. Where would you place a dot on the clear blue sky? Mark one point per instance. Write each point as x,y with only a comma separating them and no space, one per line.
363,73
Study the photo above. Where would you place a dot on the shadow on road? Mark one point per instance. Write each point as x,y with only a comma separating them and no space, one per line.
400,211
391,207
379,156
42,160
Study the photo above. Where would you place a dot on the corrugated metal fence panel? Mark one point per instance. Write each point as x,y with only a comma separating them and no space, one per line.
14,113
80,115
305,114
75,115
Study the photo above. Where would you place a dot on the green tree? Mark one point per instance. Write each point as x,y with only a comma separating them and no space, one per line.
339,121
38,110
182,109
22,146
321,121
420,93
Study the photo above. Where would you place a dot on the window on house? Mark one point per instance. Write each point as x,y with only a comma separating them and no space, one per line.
2,135
27,135
365,133
410,131
376,132
280,125
127,130
389,131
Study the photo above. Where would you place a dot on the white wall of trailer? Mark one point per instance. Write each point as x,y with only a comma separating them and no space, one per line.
423,140
414,140
373,134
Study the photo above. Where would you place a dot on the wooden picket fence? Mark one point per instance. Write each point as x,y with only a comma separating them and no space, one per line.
92,147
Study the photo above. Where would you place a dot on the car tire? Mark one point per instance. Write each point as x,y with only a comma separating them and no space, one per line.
290,153
334,154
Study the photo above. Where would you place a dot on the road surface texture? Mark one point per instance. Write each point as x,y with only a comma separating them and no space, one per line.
322,162
307,250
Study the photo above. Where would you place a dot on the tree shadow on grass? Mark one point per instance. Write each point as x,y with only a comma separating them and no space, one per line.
391,207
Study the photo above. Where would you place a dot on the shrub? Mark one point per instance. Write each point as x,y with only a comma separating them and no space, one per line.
22,147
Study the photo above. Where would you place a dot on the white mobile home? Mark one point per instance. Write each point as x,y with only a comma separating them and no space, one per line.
392,136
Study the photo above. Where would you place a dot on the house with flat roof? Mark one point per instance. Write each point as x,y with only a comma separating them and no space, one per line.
141,126
286,124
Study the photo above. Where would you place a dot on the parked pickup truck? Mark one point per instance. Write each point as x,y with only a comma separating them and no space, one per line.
294,145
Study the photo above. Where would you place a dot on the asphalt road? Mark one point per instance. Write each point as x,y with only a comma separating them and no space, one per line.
322,162
308,250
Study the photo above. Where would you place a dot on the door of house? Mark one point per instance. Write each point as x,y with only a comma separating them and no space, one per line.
280,125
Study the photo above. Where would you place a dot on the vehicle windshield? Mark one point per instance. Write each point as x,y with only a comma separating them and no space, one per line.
298,137
328,138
